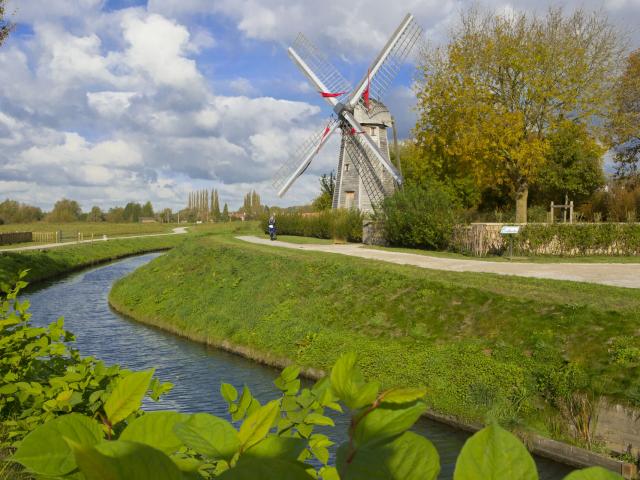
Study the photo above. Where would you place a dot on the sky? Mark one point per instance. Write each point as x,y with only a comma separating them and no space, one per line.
112,101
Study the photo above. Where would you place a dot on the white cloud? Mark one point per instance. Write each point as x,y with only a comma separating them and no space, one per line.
157,47
110,104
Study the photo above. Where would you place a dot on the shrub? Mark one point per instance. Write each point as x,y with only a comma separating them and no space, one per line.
421,216
42,375
343,225
580,239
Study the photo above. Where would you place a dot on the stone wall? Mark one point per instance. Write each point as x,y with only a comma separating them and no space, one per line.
373,233
618,426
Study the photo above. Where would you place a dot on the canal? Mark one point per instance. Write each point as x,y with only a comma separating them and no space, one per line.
195,369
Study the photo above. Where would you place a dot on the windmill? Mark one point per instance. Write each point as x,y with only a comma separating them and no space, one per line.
365,173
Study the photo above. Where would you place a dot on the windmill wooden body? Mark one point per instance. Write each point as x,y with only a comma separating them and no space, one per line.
365,174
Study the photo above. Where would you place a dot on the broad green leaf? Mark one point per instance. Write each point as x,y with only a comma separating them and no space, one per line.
273,446
257,425
348,384
290,373
127,397
366,395
155,429
122,460
250,468
494,454
44,450
229,393
210,436
403,395
407,457
387,421
317,419
593,473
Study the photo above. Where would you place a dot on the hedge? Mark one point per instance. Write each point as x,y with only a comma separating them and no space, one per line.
579,239
337,224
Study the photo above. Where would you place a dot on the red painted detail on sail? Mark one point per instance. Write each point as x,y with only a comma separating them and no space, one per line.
365,94
331,94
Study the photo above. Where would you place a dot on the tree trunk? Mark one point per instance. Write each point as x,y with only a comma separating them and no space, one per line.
522,195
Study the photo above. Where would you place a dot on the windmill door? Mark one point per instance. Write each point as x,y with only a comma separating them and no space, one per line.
349,200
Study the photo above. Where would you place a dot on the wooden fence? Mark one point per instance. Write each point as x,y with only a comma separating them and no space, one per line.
478,239
15,237
45,237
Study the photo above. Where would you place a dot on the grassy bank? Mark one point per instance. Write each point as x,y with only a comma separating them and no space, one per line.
486,346
45,264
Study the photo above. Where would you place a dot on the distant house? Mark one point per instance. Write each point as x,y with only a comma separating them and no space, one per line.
237,216
147,220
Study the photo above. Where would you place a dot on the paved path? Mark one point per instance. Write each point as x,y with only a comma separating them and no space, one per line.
616,274
175,231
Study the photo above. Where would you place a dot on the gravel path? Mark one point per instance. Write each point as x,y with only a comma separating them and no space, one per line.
616,274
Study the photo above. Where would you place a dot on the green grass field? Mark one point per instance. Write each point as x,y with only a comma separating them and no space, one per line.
49,263
70,230
484,345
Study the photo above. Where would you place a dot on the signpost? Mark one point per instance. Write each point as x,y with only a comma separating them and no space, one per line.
511,231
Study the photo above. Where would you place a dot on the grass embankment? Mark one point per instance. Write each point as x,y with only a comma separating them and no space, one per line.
45,264
486,346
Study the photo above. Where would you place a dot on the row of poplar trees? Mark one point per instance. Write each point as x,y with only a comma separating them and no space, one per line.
206,207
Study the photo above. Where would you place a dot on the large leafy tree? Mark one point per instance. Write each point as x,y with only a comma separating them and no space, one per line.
573,164
489,99
625,121
5,25
65,210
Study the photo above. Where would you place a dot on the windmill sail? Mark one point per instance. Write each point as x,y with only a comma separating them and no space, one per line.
361,155
304,154
385,68
335,85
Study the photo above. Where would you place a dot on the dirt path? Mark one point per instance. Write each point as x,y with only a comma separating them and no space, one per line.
175,231
616,274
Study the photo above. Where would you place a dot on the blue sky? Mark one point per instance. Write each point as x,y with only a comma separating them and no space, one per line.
110,101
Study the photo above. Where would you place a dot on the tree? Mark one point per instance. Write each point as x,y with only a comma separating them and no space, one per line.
624,126
327,186
489,99
95,215
225,213
15,212
132,212
5,25
147,210
65,210
215,206
115,215
166,216
573,165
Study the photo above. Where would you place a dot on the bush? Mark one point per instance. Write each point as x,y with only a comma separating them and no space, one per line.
43,376
343,225
580,239
421,216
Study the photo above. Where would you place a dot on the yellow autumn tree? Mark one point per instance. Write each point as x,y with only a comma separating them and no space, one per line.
489,98
624,125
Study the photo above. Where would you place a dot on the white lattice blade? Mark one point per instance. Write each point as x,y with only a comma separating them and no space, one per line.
297,164
316,81
323,70
385,67
371,145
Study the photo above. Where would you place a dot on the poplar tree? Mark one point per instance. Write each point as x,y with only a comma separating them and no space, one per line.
225,213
